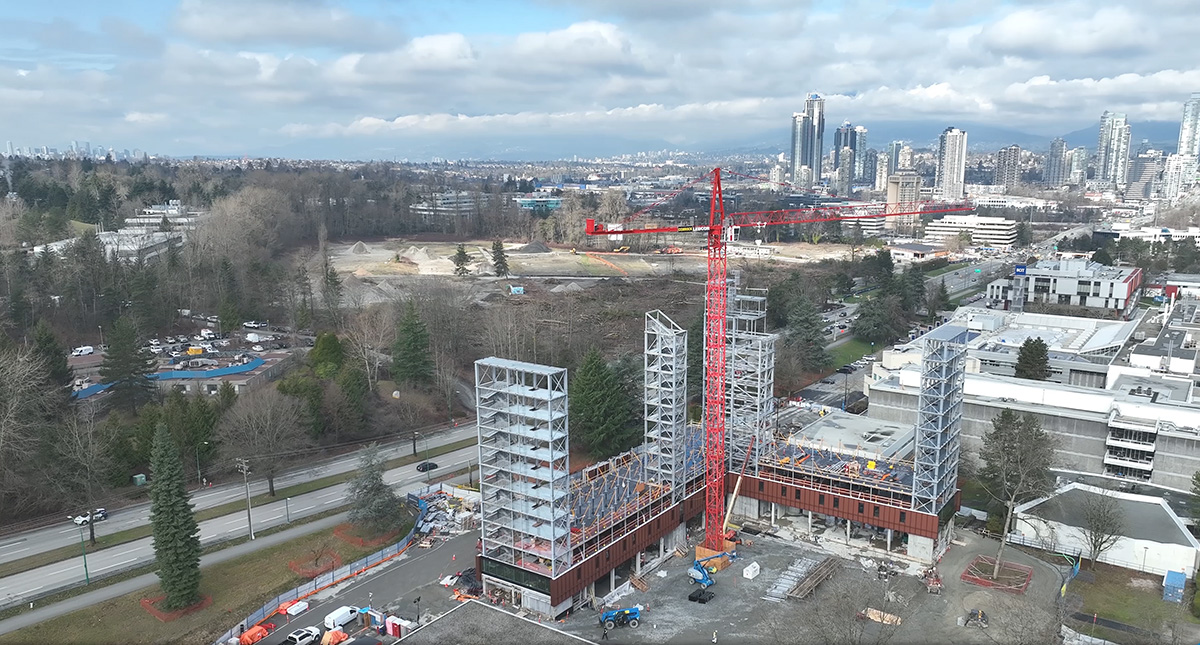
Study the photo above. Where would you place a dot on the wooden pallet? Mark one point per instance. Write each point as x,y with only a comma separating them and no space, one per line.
638,583
819,574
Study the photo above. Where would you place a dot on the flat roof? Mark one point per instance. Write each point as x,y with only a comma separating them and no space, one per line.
1134,385
478,623
841,431
1146,518
1068,338
533,368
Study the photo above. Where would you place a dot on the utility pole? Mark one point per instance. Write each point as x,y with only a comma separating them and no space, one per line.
244,466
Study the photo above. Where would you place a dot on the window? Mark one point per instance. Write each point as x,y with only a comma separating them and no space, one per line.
835,502
783,490
760,487
860,508
797,493
903,516
820,499
875,511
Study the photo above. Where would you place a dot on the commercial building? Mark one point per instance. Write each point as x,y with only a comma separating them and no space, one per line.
1008,167
1078,282
446,207
125,245
1056,174
909,253
951,164
1112,149
994,232
172,216
1081,350
1151,234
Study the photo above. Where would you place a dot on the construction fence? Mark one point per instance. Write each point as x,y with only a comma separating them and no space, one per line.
338,576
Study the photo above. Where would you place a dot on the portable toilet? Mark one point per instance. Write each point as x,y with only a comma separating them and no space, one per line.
1173,584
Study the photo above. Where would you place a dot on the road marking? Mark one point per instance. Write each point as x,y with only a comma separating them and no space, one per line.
335,492
17,551
70,568
127,552
22,593
117,564
14,543
273,517
306,508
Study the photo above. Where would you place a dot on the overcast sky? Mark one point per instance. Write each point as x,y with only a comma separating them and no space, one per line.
401,78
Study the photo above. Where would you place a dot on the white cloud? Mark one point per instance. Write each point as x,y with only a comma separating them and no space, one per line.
291,22
145,118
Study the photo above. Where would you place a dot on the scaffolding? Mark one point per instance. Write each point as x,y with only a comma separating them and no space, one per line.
750,377
665,402
524,479
939,419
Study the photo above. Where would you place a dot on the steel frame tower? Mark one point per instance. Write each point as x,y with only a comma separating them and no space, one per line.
939,419
750,380
666,401
524,479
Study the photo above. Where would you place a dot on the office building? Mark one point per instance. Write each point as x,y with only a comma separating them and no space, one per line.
446,207
1008,167
893,156
951,164
987,232
861,153
172,216
1056,172
1076,282
1189,127
1077,162
870,166
1144,176
1112,149
801,171
854,138
881,171
905,158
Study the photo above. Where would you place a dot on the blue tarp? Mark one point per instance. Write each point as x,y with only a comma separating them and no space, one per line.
178,374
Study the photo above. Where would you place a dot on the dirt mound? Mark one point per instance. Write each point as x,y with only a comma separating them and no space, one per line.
567,288
534,247
360,248
361,272
417,255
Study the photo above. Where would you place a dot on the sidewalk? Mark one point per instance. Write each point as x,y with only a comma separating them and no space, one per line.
49,612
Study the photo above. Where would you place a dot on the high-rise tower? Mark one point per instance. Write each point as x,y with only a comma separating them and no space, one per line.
1112,149
1008,167
801,169
814,107
951,164
1189,127
1056,164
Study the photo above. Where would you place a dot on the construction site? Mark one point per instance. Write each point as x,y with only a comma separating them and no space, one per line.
755,468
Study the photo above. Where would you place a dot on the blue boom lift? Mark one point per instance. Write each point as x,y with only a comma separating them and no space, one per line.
699,574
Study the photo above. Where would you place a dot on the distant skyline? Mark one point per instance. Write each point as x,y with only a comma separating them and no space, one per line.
550,78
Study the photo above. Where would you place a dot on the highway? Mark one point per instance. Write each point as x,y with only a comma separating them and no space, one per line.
45,579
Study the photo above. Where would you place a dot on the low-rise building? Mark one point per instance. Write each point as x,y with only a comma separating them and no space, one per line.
172,216
126,245
912,252
1078,282
996,232
447,206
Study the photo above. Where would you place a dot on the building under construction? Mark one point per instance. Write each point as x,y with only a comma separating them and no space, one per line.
549,535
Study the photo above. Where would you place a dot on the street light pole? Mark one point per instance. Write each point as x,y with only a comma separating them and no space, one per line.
1145,550
244,466
87,579
199,479
101,328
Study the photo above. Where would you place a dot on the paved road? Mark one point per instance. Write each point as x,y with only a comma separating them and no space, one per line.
394,588
55,576
22,545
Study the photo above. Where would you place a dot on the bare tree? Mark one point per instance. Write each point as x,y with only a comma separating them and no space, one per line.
261,426
445,377
1017,455
370,334
509,332
849,608
27,401
1103,523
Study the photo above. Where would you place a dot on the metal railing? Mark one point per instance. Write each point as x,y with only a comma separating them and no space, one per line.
335,577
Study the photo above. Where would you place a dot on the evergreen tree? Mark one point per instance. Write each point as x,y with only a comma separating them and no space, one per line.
231,318
374,506
937,298
327,355
695,357
412,361
176,534
499,259
1033,361
461,259
126,367
599,408
806,334
1016,455
202,417
1102,256
351,381
880,320
46,346
226,397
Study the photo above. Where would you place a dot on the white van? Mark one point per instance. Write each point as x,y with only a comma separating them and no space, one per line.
83,351
341,617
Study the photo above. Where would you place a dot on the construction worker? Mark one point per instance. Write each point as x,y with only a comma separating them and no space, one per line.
604,636
714,635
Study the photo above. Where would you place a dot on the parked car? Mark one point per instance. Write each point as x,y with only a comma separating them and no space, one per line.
827,381
304,636
176,354
341,617
83,351
97,515
213,319
258,348
154,342
155,349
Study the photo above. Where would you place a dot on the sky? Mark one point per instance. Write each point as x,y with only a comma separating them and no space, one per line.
401,79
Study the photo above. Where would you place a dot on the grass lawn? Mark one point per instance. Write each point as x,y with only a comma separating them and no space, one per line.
957,302
78,227
946,269
237,588
850,351
1112,595
129,535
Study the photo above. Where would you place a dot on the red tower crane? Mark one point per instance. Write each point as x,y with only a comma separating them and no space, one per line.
716,302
